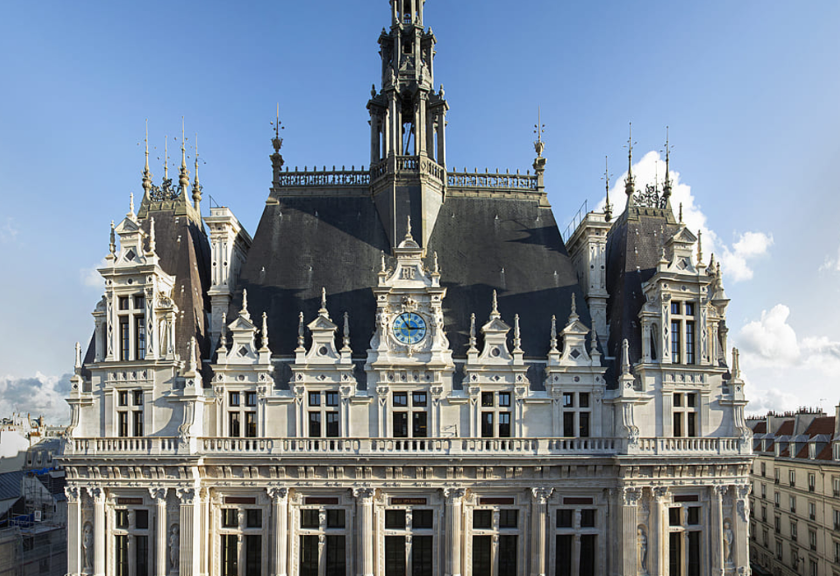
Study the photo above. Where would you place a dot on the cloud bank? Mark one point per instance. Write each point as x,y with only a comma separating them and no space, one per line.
38,396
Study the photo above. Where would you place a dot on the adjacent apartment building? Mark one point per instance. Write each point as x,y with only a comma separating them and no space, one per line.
795,502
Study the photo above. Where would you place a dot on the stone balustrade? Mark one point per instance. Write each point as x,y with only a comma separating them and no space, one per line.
443,447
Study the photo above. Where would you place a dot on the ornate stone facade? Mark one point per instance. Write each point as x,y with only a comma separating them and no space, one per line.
406,371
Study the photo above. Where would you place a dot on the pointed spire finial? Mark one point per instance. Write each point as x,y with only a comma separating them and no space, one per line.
699,247
437,266
625,358
152,243
78,355
300,331
630,182
517,335
553,341
130,205
244,311
681,213
184,178
667,188
472,332
277,142
323,309
196,192
147,175
539,130
265,331
223,336
346,331
593,341
495,303
193,367
408,227
112,247
574,305
608,207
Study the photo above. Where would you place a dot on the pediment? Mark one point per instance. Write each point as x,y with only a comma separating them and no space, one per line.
127,226
241,324
496,325
321,324
684,236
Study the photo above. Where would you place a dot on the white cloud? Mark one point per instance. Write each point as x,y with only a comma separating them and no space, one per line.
831,264
763,401
91,277
39,396
736,260
8,231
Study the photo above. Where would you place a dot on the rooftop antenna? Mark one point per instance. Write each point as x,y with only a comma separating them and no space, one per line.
606,178
630,182
539,130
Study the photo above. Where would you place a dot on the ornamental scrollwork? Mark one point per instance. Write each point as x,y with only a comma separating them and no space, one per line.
650,198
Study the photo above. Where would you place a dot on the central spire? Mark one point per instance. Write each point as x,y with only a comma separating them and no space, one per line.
408,125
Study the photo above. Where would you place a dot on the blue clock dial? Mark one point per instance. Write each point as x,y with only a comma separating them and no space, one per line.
409,328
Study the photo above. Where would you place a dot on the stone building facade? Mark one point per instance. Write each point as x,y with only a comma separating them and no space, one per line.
406,370
795,512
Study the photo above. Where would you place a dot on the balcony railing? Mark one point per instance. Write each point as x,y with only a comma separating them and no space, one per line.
444,447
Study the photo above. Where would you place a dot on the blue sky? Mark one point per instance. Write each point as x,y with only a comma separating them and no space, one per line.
749,90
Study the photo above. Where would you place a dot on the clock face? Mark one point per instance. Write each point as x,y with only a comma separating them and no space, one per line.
409,328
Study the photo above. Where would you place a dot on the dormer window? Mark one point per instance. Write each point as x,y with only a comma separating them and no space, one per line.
132,331
682,333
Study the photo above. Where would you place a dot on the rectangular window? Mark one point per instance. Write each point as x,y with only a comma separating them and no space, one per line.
309,556
694,515
335,518
678,420
395,519
508,518
418,424
123,302
689,342
482,519
400,424
141,519
123,398
569,424
675,342
253,555
422,520
137,397
233,425
140,338
336,555
812,539
507,555
791,476
487,424
139,302
564,519
504,424
675,307
250,399
422,556
482,560
121,518
563,554
401,399
121,552
837,519
568,400
584,424
793,503
395,556
504,399
125,341
230,518
812,482
234,399
123,424
587,518
230,555
675,553
332,399
253,518
141,555
250,424
314,399
674,516
487,400
419,399
309,519
692,424
332,425
138,422
812,511
587,554
314,424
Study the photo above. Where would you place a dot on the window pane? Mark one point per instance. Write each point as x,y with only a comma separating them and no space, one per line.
692,424
230,555
678,420
675,342
332,424
675,307
123,398
583,400
230,518
487,425
400,424
125,344
482,519
123,302
234,398
694,554
139,302
694,515
421,555
482,555
141,555
568,400
418,399
251,399
504,399
563,553
309,518
584,424
250,424
689,309
123,424
507,555
508,518
141,519
140,338
487,399
564,519
675,553
138,423
253,554
234,424
394,555
689,342
587,555
419,424
332,398
504,424
336,555
253,518
335,518
138,397
121,518
314,398
121,545
568,424
309,556
587,518
395,519
422,519
675,516
400,398
314,424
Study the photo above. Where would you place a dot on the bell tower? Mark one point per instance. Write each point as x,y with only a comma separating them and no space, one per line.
408,126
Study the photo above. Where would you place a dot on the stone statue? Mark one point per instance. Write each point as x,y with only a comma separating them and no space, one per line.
87,545
728,539
643,548
174,546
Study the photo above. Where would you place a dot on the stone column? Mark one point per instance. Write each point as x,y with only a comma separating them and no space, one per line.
539,518
658,537
158,494
99,535
74,529
631,562
441,155
716,529
280,510
454,514
364,500
189,529
739,525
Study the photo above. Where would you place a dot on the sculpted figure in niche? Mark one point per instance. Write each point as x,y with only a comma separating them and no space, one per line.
728,539
87,545
643,549
174,546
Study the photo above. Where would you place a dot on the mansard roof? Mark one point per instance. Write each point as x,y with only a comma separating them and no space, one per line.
326,239
634,248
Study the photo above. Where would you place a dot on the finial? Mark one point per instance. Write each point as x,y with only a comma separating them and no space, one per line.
130,205
495,304
630,182
244,311
608,207
166,157
78,355
184,179
265,331
323,309
517,336
196,193
667,188
539,130
681,213
112,248
277,142
553,333
147,175
593,341
472,332
625,358
408,227
574,306
193,359
300,331
699,247
437,267
736,363
346,330
223,336
382,256
662,258
152,243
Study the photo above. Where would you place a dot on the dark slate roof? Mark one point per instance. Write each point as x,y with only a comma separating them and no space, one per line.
822,425
10,484
633,251
304,243
786,428
760,427
184,252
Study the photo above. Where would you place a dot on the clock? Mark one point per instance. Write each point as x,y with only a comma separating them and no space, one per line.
409,328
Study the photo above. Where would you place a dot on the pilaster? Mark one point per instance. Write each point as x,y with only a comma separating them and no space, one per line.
454,520
74,529
280,510
633,561
539,520
364,502
99,532
189,529
158,494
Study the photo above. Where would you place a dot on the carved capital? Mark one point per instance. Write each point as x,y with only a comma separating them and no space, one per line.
721,491
542,494
660,493
186,495
277,493
364,493
453,494
631,496
73,494
97,494
158,493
